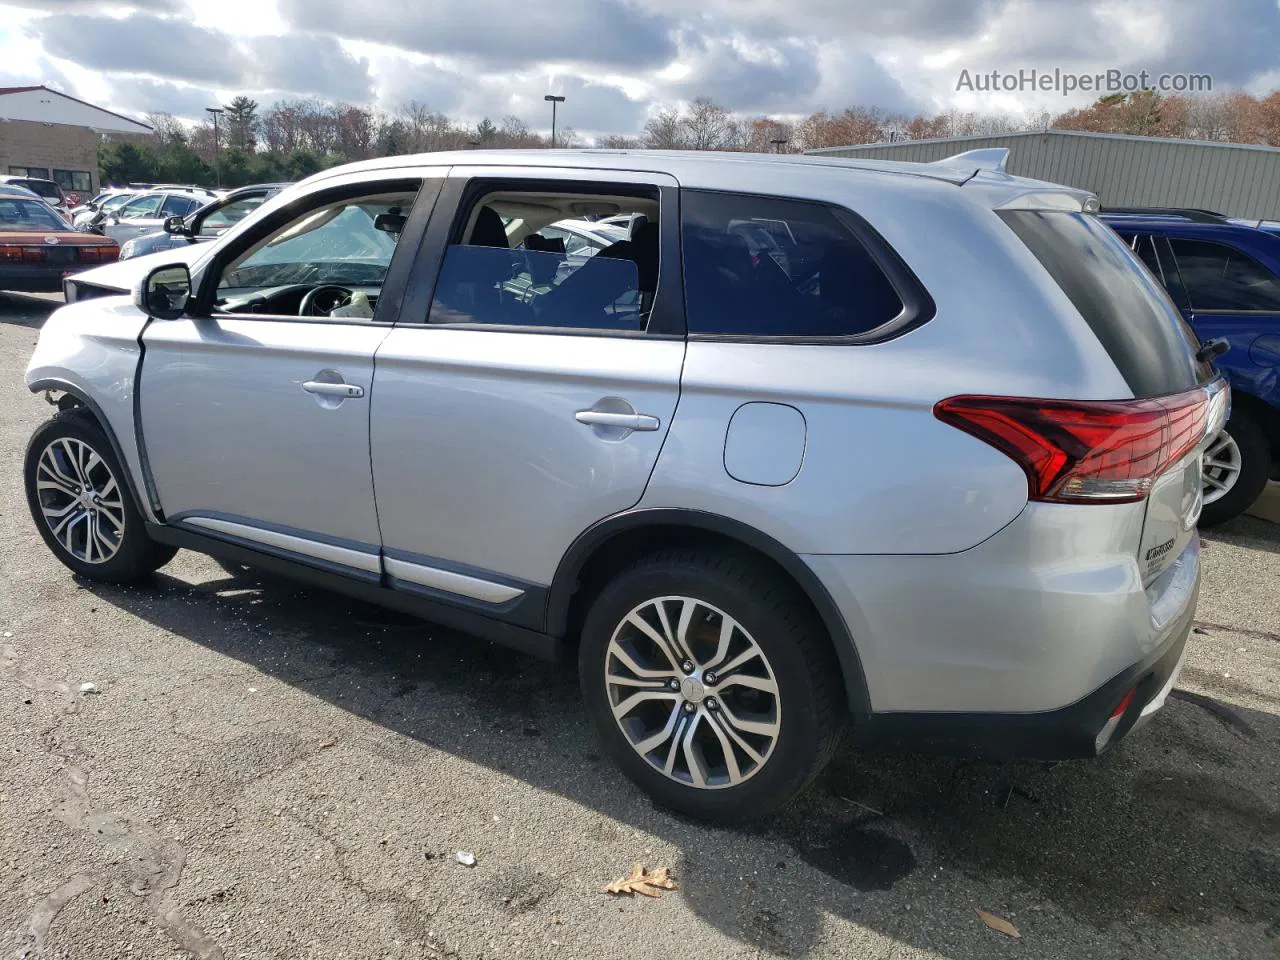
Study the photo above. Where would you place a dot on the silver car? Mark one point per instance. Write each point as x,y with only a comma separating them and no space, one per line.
146,213
938,487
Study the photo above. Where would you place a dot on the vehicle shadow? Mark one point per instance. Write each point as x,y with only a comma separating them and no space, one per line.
26,311
1177,830
1247,531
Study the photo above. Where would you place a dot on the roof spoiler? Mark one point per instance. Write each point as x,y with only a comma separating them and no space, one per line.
987,158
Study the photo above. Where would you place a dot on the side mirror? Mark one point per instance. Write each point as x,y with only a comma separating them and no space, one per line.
175,226
164,292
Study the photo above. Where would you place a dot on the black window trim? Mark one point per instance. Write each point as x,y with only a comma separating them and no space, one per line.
1218,312
460,194
918,306
53,175
391,295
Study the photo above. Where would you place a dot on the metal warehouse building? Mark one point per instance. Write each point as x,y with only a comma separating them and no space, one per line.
1236,179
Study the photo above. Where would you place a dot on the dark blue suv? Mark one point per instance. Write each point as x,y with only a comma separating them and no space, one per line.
1224,275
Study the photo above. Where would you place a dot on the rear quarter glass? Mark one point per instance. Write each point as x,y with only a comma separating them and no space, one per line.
1125,307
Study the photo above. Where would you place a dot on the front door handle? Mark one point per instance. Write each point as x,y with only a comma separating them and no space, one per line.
624,421
344,390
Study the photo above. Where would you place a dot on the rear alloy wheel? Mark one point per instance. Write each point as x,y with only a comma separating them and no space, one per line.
1234,469
711,683
692,692
78,499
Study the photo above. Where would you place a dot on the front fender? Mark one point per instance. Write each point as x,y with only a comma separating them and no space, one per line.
92,350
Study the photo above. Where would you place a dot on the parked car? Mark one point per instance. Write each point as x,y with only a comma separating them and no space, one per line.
1224,277
207,223
38,247
106,202
146,213
47,189
675,462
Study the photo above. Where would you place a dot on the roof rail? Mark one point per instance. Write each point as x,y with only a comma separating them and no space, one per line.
1194,214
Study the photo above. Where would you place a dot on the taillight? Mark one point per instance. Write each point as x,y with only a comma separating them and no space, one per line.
1086,451
10,252
102,253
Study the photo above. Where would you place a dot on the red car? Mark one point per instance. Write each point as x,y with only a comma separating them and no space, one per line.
38,247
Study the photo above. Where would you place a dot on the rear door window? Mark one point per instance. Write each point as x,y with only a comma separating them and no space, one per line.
740,281
1220,277
1127,309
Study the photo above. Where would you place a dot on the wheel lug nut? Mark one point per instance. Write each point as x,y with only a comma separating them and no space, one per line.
687,666
712,704
674,684
709,677
689,707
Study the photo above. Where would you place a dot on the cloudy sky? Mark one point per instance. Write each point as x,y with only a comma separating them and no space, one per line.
617,61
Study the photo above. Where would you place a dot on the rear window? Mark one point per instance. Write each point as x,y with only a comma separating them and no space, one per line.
1124,305
45,188
740,281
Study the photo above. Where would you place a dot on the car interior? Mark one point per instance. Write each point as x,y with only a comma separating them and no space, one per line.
329,258
505,271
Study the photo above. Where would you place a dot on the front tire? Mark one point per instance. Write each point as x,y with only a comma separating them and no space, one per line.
711,682
1235,469
80,501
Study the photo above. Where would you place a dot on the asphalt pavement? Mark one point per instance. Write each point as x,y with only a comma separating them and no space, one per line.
219,766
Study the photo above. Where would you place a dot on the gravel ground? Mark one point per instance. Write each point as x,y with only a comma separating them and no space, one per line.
261,770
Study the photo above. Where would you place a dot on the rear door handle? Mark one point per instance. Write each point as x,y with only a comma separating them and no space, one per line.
627,421
346,390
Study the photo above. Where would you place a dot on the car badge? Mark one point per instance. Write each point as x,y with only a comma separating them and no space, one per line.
52,241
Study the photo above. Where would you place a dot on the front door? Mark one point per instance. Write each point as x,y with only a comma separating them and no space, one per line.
528,398
255,418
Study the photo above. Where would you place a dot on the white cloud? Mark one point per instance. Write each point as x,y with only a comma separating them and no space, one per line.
617,61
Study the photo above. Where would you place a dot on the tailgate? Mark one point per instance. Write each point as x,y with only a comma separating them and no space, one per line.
1173,506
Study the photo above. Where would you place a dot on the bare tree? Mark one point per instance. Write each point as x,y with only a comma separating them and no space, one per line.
616,141
709,126
664,131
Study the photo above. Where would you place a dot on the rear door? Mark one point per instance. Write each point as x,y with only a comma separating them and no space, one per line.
505,425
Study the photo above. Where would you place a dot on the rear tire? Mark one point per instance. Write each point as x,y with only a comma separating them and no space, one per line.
777,709
1254,453
81,502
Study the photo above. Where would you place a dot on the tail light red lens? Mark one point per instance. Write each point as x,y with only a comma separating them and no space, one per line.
103,253
1086,451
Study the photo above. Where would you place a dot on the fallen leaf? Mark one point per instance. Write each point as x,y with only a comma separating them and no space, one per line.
643,882
328,743
999,924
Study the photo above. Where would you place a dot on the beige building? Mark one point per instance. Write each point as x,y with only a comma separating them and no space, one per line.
47,134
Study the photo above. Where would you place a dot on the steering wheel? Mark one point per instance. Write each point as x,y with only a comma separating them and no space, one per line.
321,301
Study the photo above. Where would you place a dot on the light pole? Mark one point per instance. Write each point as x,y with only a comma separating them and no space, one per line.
553,100
778,144
217,157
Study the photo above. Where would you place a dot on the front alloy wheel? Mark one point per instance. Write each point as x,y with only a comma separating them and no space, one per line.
692,692
80,500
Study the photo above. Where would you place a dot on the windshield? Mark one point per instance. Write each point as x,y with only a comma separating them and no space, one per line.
112,202
17,214
335,244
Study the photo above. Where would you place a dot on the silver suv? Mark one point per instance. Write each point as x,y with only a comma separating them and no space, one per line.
933,471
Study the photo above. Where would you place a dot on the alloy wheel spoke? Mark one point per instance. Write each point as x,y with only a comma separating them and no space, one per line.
761,728
107,491
727,627
624,707
53,481
658,639
116,522
68,468
73,457
687,610
55,513
618,680
675,638
745,657
105,546
649,744
692,755
49,463
673,751
630,662
747,680
726,749
718,720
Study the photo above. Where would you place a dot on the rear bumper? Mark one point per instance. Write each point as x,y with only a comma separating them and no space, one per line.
1067,733
35,278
